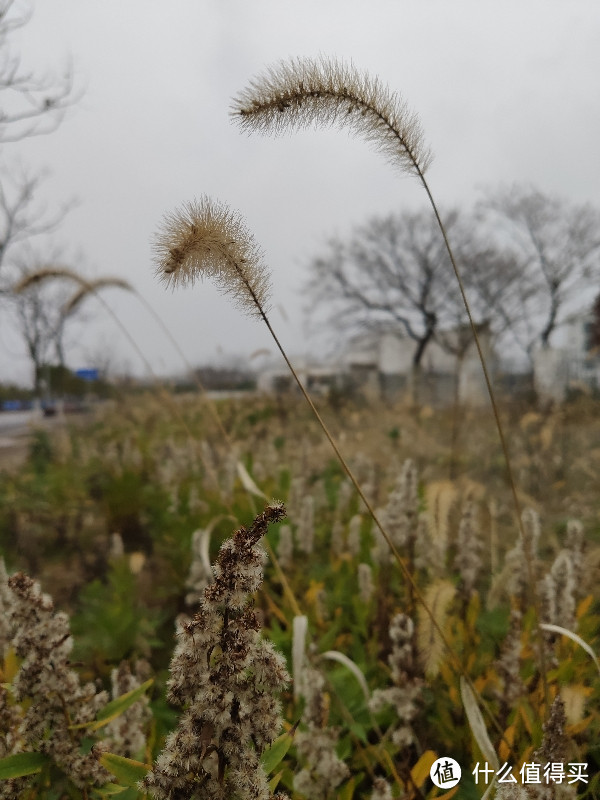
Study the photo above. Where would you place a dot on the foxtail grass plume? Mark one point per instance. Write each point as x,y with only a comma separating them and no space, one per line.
91,287
205,239
42,275
86,287
303,92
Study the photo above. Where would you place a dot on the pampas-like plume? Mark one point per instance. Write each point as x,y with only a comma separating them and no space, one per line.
90,287
304,92
205,239
437,598
42,275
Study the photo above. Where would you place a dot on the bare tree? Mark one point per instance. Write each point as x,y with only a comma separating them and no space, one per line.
394,272
32,104
594,334
45,305
498,290
41,313
554,248
22,219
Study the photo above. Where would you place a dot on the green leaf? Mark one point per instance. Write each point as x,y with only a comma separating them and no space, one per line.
120,704
116,707
21,764
566,632
275,754
128,771
335,655
116,792
275,780
359,731
347,791
113,790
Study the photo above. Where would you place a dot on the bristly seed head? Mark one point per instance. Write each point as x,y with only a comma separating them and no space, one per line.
302,92
205,239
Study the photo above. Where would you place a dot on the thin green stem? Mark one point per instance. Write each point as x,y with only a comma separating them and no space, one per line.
405,571
503,444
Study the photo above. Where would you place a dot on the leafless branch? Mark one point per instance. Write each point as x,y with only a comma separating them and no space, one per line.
32,104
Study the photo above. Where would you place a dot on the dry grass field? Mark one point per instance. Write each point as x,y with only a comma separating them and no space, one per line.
119,515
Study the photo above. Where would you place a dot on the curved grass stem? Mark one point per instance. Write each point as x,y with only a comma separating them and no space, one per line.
304,92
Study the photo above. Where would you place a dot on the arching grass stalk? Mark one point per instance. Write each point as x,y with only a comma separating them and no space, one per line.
92,287
205,239
316,92
87,288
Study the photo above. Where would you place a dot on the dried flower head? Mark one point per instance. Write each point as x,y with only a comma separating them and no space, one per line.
405,695
205,239
226,677
54,705
303,92
381,790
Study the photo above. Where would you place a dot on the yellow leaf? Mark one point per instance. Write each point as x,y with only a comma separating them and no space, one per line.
420,772
11,665
506,743
579,727
313,592
526,720
274,608
347,790
275,780
473,611
127,770
584,606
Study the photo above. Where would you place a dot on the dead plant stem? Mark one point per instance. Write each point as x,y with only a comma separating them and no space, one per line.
503,444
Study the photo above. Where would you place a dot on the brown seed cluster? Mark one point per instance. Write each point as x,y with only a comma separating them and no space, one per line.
205,239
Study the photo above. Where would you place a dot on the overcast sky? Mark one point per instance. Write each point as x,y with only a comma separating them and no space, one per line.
506,91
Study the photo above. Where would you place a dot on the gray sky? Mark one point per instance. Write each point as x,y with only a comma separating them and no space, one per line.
506,91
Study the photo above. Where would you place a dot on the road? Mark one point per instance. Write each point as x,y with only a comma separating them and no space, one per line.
11,420
15,427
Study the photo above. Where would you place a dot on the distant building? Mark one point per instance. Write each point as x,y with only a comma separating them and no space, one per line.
317,378
572,366
380,365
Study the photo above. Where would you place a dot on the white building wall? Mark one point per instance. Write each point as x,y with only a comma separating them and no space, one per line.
549,374
395,354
